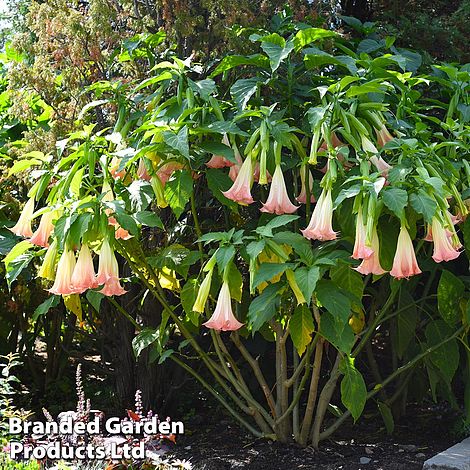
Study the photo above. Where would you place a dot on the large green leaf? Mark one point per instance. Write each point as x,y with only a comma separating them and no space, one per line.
188,297
178,140
424,205
144,339
449,294
231,61
178,191
219,181
346,278
337,332
306,279
242,90
264,307
308,35
43,308
277,53
334,299
267,271
445,358
395,199
353,388
301,328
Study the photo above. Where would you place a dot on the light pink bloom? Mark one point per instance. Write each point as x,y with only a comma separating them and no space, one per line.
23,226
142,171
240,190
428,237
121,233
443,249
235,169
383,136
361,250
41,236
167,169
218,161
371,265
404,262
63,279
278,200
223,318
84,276
108,271
302,197
381,164
320,226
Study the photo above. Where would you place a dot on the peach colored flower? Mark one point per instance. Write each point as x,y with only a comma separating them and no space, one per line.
23,226
84,276
383,136
371,265
167,169
142,171
278,200
443,249
404,262
108,271
63,279
41,236
361,250
381,165
240,191
302,197
320,226
223,318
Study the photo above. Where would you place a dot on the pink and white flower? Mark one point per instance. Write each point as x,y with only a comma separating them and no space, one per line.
404,262
371,264
63,279
108,271
84,277
23,226
278,200
320,226
240,191
41,236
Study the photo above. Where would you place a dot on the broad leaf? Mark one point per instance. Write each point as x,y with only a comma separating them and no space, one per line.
353,388
449,293
301,328
242,90
264,307
178,191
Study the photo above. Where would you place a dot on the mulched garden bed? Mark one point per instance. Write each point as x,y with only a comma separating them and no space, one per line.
222,445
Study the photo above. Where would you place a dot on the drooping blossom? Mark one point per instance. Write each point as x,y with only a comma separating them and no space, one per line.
320,226
361,250
23,226
114,169
167,169
235,169
404,262
302,197
63,279
223,318
108,196
84,277
108,271
278,200
48,266
443,249
240,191
371,265
381,165
41,236
383,136
121,233
203,293
256,174
367,145
142,171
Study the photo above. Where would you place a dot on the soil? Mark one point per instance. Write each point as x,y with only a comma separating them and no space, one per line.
222,445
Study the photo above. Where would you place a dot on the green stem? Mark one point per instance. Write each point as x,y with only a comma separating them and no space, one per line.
124,312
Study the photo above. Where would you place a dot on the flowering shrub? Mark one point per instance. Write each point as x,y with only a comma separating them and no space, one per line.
307,194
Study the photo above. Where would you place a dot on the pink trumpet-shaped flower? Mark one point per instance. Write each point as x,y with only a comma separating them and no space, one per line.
381,164
63,279
84,277
371,265
142,171
404,262
361,250
240,191
443,249
108,271
302,197
235,169
223,318
383,136
278,200
167,169
41,236
320,226
121,233
23,226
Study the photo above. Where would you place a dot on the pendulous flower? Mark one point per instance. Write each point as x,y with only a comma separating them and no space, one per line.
320,226
404,262
63,279
108,271
41,236
302,197
371,265
23,226
383,136
48,266
84,277
278,200
203,293
361,250
142,171
443,248
381,165
240,191
223,318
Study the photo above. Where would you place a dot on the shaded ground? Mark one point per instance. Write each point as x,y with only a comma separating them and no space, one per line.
222,446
